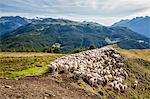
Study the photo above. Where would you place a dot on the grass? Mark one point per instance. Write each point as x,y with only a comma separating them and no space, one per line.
135,53
15,65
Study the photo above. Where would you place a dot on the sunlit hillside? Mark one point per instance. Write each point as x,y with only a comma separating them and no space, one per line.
14,65
135,53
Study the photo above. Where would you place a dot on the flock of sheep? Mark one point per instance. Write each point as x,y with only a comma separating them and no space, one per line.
99,66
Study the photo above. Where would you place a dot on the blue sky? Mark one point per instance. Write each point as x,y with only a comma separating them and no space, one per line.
103,11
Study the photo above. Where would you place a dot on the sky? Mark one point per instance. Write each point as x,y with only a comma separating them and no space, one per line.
105,12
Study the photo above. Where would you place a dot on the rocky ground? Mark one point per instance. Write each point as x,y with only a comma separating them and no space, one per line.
42,87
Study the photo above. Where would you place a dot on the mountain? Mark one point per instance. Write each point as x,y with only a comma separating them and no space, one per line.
91,23
140,25
42,34
53,20
10,23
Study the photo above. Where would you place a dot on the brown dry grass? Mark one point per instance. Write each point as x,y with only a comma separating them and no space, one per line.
135,53
25,54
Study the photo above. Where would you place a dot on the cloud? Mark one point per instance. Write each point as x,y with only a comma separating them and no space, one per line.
106,11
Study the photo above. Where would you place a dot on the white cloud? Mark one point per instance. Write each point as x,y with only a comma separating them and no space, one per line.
103,11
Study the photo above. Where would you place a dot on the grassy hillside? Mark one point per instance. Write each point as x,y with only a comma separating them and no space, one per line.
13,65
40,35
135,53
137,65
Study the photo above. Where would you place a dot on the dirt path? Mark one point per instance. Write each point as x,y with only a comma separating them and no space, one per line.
41,87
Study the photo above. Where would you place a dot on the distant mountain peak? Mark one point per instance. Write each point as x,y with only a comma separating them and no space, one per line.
10,23
90,22
140,25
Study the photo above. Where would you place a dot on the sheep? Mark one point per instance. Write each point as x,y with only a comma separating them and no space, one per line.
103,72
111,84
110,66
83,75
109,76
107,72
93,82
135,84
107,68
113,72
136,81
115,82
53,68
100,79
117,88
106,79
119,79
121,87
88,76
77,74
63,68
72,68
121,64
116,56
124,73
99,71
125,87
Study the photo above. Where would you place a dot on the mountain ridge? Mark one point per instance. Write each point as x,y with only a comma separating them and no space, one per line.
10,23
140,25
39,36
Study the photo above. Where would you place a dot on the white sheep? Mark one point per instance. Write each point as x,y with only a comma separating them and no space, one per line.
107,68
107,72
119,79
93,82
111,84
53,68
77,74
88,76
115,82
135,84
117,88
109,76
125,87
63,68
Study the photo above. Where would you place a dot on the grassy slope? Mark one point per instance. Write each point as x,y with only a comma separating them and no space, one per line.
23,64
14,65
135,53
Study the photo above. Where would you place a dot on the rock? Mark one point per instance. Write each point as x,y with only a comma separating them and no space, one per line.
7,86
49,94
45,97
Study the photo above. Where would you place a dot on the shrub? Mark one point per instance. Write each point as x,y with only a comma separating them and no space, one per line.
77,50
92,47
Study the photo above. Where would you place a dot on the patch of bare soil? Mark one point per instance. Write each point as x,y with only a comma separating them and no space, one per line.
42,87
